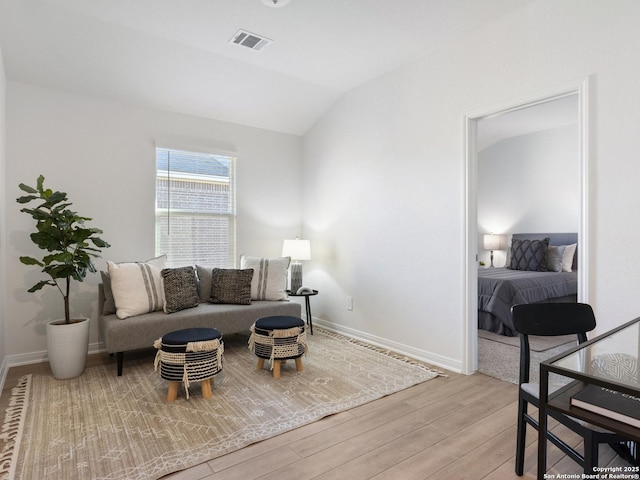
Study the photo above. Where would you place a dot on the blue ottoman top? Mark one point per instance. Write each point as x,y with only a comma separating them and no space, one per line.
182,337
279,322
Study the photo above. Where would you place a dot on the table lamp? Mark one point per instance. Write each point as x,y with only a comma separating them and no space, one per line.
493,242
298,250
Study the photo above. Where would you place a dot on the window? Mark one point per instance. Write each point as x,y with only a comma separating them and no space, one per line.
195,208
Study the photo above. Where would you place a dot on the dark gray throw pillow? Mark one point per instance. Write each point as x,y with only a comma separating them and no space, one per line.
231,286
530,255
180,289
204,283
109,306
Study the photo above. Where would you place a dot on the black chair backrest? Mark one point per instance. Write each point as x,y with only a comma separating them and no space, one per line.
552,319
549,319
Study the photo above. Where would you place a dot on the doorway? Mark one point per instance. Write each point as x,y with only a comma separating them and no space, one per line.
520,105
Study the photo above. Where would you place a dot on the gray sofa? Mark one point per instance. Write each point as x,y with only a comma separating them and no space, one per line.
141,331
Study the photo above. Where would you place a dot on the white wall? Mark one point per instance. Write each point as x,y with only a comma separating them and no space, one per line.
3,229
384,173
528,184
102,154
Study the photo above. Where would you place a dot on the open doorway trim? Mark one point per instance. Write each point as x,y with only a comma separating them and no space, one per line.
470,287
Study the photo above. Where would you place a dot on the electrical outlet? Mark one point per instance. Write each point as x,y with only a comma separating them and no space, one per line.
349,303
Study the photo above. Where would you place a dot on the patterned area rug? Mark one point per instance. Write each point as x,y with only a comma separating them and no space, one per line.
101,426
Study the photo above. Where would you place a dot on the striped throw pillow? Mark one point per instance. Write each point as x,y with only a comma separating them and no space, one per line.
137,287
269,278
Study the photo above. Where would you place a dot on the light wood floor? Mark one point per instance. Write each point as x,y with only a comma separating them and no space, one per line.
456,427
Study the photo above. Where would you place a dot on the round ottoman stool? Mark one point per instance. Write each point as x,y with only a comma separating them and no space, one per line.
278,338
191,354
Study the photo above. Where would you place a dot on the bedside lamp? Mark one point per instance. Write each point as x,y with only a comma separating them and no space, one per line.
298,250
493,242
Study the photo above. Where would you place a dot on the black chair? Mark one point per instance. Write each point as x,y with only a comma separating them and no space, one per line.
553,319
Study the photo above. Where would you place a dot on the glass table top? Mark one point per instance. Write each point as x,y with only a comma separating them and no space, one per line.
610,357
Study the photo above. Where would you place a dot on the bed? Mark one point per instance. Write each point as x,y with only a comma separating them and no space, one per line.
501,288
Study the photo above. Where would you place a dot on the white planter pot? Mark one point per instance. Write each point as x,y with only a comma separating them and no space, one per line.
67,346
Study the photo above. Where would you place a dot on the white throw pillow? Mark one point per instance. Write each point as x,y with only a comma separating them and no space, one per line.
137,287
567,257
269,277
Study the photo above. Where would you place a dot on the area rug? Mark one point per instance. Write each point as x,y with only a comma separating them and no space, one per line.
100,426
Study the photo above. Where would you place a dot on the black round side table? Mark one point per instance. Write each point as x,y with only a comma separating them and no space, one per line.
307,305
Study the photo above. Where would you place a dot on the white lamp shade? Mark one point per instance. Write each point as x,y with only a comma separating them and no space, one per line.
297,249
493,241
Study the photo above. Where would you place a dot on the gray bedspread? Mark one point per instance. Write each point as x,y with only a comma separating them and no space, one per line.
500,288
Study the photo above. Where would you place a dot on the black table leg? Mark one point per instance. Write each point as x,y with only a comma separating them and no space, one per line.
309,318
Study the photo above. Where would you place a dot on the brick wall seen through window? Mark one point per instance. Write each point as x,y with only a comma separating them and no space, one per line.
195,208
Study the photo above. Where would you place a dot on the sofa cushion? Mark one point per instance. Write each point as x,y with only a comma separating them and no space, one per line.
143,330
231,286
137,287
270,277
180,289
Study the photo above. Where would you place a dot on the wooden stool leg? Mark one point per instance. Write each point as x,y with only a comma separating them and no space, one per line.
299,364
260,365
173,391
276,369
206,388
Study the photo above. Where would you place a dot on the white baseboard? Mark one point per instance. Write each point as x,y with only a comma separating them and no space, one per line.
4,369
422,355
33,358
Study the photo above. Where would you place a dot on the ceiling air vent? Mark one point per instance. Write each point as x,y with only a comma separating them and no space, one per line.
250,40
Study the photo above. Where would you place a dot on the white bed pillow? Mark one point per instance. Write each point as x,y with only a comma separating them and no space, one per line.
567,257
269,277
137,286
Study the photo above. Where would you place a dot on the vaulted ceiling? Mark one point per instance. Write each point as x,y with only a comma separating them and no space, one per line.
176,55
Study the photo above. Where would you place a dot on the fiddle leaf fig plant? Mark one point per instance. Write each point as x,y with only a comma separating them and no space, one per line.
61,232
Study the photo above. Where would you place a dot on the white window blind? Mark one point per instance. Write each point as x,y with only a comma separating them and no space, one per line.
195,208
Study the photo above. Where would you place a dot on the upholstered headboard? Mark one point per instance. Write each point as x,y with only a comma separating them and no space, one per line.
554,239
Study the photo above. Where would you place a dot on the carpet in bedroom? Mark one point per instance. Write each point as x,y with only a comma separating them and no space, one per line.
499,356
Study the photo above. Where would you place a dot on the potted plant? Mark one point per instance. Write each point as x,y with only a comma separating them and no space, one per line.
71,246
